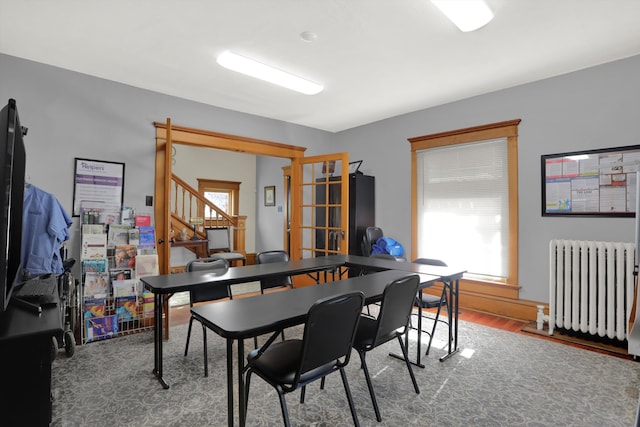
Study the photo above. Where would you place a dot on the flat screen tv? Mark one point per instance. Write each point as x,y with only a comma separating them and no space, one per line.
12,172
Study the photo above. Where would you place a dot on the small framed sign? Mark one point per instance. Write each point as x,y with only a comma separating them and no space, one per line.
270,195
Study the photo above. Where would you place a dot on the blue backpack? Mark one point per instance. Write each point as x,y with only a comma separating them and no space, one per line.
386,245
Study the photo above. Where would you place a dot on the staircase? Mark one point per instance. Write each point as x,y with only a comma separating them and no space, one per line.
186,203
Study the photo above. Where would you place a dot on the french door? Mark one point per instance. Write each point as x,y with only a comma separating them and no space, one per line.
319,206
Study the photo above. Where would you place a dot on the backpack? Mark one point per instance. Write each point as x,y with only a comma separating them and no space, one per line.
387,245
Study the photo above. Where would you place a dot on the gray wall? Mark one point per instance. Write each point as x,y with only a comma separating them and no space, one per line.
589,109
270,220
73,115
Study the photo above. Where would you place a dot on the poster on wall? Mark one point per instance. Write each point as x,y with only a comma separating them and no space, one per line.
595,182
98,190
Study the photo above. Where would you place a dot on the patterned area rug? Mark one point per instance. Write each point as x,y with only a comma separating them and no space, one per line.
499,378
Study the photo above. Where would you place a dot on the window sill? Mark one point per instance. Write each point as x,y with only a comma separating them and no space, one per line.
484,287
497,289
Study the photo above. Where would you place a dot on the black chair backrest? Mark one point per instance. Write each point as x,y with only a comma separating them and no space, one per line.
274,256
396,306
430,261
208,294
329,331
371,236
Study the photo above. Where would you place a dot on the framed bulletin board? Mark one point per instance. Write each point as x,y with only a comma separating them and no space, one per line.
595,182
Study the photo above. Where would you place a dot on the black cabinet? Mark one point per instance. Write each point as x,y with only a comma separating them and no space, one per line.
26,352
361,212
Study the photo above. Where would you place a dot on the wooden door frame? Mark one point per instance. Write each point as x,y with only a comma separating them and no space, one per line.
205,139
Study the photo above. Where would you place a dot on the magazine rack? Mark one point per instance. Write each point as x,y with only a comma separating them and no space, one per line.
112,299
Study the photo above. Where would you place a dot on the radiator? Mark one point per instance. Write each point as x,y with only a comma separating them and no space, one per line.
591,287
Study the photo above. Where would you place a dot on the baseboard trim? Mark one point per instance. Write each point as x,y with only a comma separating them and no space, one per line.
518,309
619,348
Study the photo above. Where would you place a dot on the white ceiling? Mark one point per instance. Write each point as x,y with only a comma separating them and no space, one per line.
376,58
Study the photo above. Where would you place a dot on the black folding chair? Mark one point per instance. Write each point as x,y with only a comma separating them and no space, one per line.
426,301
203,295
324,348
392,321
274,282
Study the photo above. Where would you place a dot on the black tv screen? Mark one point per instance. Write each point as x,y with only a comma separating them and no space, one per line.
12,172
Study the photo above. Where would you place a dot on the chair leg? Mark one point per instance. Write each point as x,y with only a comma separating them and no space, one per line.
437,319
433,330
347,390
406,361
370,385
283,406
204,343
246,394
302,391
186,347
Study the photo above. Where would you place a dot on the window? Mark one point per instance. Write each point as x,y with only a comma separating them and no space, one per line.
221,199
224,194
465,199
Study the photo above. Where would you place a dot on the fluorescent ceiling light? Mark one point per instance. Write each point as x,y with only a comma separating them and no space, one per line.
468,15
267,73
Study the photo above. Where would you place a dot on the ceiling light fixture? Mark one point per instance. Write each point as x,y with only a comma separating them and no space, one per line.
267,73
308,36
467,15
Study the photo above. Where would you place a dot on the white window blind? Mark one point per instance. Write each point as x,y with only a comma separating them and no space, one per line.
463,206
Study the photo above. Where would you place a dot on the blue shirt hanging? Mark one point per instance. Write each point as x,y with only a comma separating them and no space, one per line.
45,226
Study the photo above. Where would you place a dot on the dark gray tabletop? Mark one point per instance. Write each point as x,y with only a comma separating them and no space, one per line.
170,283
274,311
380,264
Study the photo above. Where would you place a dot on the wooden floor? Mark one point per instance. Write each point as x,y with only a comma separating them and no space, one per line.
611,347
180,315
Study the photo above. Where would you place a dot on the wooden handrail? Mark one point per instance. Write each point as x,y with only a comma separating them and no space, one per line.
187,203
190,196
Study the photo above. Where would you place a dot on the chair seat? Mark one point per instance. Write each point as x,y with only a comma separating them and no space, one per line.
229,256
281,360
428,301
366,332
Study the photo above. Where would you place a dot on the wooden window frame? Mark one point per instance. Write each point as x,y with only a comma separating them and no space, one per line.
509,130
231,187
